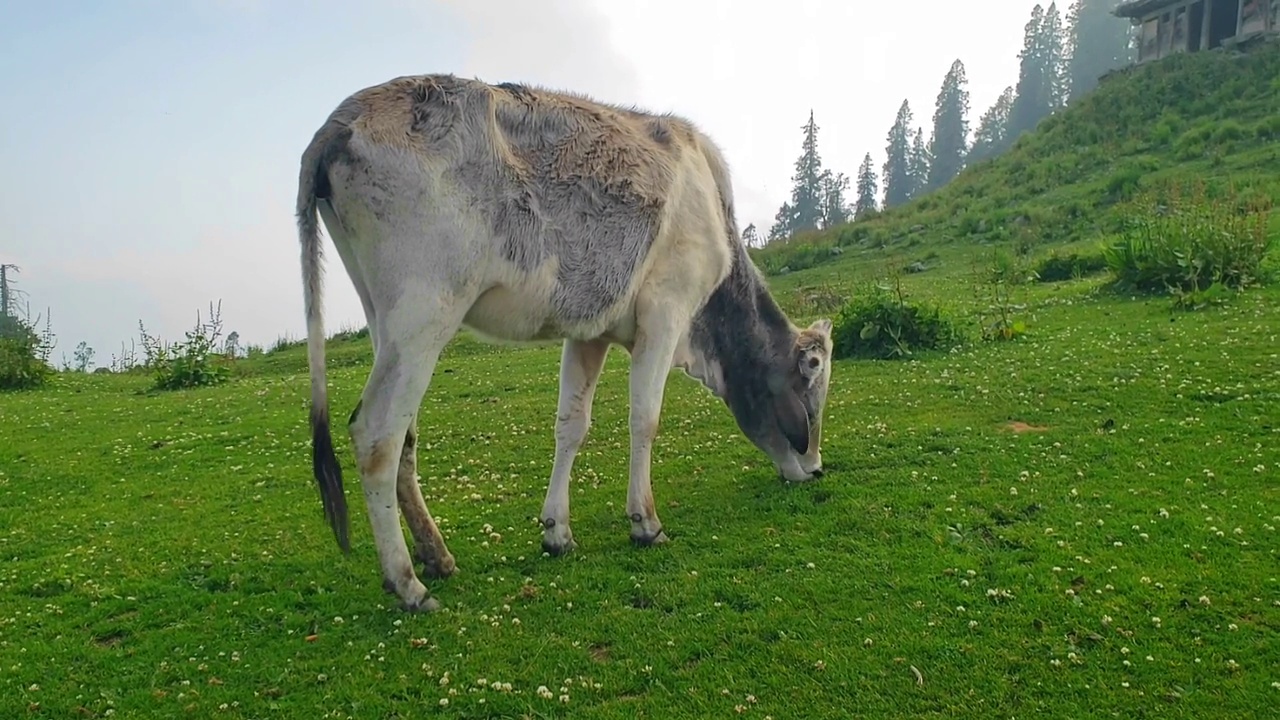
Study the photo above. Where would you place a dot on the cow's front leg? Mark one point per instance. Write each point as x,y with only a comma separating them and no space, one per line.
580,366
651,363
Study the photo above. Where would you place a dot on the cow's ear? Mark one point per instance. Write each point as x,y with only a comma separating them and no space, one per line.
821,325
792,419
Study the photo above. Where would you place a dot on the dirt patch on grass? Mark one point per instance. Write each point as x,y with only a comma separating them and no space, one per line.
1020,427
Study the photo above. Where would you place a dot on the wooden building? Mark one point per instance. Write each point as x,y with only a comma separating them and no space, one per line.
1173,26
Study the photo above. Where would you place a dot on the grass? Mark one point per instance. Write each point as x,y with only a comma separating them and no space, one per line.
1112,552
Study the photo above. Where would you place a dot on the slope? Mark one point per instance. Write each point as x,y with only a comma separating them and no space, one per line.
1212,117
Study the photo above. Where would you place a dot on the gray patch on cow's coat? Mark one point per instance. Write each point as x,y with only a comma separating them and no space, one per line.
742,328
553,180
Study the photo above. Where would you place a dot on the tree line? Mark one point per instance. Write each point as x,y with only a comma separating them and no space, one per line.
1060,61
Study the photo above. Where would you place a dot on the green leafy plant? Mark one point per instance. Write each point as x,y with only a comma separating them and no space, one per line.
1195,299
1187,242
881,324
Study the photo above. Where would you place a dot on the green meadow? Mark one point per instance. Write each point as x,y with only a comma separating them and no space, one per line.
1078,522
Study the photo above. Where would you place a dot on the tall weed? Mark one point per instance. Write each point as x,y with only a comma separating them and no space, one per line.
996,283
193,362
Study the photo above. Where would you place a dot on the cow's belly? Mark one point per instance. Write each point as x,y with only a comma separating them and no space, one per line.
504,313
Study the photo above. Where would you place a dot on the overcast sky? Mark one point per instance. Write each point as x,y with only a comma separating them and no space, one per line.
152,147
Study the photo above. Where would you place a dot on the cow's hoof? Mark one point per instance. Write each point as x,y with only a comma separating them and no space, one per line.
557,549
427,604
557,538
438,568
657,538
415,599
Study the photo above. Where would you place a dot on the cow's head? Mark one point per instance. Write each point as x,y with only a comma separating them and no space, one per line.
797,384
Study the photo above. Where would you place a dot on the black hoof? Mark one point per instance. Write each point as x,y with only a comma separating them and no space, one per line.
558,550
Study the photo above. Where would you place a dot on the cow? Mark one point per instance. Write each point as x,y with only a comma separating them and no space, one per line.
528,215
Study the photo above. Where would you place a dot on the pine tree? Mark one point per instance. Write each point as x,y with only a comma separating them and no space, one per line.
950,128
835,209
805,209
920,162
806,193
990,138
1042,84
1098,42
868,189
898,179
1053,43
783,221
1029,96
751,236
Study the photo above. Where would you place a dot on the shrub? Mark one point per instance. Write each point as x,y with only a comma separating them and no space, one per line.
24,354
1057,267
794,256
879,324
1191,144
1187,243
1228,131
1268,128
1124,182
821,298
854,233
194,362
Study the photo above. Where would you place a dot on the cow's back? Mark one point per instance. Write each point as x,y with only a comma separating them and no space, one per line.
573,192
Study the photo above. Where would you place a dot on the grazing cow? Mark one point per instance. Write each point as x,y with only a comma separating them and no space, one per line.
530,215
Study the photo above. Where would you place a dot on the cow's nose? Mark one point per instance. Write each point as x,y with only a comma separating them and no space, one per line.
818,472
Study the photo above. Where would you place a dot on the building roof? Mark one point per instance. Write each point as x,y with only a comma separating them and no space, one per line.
1139,8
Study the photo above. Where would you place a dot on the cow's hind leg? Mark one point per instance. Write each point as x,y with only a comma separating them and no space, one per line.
580,366
409,344
428,543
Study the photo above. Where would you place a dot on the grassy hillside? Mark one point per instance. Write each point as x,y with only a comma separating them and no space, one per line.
1212,116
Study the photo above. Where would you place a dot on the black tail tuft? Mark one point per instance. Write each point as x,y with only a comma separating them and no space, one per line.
329,478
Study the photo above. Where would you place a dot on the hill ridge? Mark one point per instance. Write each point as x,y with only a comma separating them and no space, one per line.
1211,116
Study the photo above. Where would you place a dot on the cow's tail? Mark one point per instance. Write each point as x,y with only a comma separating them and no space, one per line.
313,185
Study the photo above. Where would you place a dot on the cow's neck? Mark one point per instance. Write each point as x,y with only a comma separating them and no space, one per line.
739,337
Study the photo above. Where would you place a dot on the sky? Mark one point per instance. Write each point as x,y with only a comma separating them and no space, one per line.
153,146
